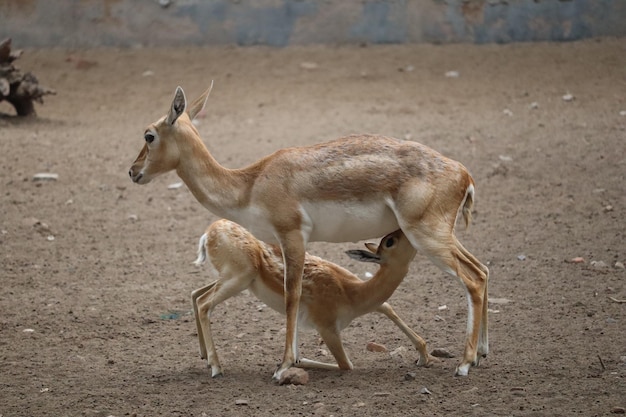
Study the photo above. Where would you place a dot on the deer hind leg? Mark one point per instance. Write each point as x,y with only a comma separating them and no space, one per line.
445,251
425,359
483,338
205,300
194,297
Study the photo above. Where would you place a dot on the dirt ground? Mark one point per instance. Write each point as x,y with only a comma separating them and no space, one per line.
96,272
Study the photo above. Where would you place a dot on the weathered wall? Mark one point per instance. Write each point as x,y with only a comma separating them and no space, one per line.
85,23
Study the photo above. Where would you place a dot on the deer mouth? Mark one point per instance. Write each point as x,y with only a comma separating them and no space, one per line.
137,178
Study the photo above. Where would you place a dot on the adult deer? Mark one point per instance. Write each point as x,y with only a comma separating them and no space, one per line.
331,296
353,188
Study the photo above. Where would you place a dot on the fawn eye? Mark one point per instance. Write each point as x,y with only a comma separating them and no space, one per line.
149,137
390,242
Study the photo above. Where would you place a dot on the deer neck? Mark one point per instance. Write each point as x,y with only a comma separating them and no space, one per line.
381,286
219,189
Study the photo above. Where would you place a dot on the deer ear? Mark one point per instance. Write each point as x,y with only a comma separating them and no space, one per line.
372,247
197,106
363,256
178,106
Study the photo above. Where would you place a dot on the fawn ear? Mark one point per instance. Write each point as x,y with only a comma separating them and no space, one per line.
197,106
363,256
178,106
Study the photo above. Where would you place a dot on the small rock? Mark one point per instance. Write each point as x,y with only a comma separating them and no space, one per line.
399,352
619,265
577,260
381,394
425,390
505,158
45,176
521,257
495,300
568,97
442,308
294,376
50,238
410,376
598,264
618,410
441,353
622,113
376,347
534,105
507,112
608,208
452,74
133,217
147,73
241,402
28,330
309,65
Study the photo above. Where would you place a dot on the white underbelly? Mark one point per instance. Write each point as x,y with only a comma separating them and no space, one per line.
277,303
348,221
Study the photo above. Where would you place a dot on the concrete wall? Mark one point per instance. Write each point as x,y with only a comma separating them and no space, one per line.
86,23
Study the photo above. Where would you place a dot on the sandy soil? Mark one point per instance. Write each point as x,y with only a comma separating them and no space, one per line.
96,272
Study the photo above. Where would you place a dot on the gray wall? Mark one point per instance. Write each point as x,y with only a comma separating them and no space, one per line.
86,23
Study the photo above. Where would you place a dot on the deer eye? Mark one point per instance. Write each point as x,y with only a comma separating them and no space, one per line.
149,137
390,242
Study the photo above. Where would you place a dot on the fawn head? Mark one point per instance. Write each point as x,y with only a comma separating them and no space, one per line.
160,152
393,248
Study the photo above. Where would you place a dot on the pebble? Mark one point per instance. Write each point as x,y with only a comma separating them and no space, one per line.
241,402
598,264
452,74
507,112
309,65
619,265
441,353
399,352
45,176
577,260
376,347
495,300
410,376
294,376
568,97
618,410
534,105
425,390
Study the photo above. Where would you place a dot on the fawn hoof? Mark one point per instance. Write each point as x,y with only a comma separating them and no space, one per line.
216,372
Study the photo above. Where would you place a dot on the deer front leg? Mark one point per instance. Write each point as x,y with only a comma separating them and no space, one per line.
292,245
425,359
